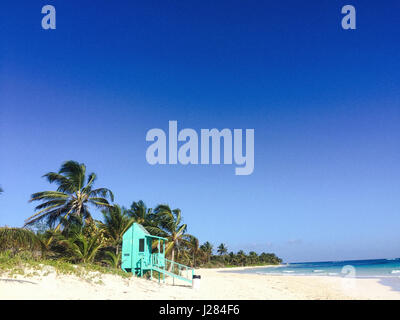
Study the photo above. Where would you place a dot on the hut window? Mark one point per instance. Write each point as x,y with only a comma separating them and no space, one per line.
141,245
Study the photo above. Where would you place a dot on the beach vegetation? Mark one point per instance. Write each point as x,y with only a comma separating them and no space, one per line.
63,234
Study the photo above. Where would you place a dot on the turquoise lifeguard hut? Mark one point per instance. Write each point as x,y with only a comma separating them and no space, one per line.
140,255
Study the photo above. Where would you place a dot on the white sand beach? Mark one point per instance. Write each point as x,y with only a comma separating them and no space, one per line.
214,285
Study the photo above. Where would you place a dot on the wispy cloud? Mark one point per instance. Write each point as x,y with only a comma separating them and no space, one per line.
294,242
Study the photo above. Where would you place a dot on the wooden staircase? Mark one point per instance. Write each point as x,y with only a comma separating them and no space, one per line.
167,267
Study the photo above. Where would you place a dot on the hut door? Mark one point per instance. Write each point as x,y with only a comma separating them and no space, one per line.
141,249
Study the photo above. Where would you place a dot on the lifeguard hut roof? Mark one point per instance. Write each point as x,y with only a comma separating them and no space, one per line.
147,234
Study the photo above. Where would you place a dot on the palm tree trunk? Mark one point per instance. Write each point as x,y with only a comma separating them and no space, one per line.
56,229
172,259
66,215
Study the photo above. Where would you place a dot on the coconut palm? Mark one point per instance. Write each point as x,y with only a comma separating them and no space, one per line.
72,197
269,258
222,249
194,249
253,257
141,213
112,259
81,248
231,258
169,225
116,222
207,248
184,254
241,257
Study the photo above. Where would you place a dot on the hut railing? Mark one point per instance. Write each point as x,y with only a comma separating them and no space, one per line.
157,260
179,270
171,268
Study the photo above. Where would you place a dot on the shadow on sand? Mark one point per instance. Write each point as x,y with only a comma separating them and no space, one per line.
393,282
18,281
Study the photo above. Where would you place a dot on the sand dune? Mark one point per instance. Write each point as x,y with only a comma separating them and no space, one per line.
214,285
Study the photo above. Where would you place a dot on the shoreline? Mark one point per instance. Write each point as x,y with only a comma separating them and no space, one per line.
242,268
316,274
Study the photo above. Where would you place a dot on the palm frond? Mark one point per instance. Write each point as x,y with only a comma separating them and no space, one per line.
102,192
113,260
48,195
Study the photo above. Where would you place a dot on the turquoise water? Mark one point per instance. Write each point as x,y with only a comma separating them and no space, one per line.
357,268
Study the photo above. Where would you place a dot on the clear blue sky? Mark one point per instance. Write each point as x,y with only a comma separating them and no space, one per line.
324,103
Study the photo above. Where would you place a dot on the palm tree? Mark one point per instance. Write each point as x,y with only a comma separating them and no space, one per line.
269,258
231,258
140,212
241,257
194,248
169,226
71,198
116,222
112,259
222,249
207,248
184,254
253,257
81,248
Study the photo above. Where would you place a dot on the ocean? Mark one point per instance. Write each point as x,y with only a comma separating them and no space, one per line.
379,268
